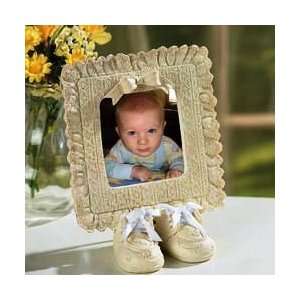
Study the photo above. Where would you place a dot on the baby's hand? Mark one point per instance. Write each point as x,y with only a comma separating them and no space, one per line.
141,173
173,173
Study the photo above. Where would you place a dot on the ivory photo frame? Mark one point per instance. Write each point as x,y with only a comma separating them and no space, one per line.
184,69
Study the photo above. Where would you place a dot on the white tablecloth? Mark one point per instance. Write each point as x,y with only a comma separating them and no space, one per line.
243,230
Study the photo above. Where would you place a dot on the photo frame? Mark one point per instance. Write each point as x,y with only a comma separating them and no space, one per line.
187,70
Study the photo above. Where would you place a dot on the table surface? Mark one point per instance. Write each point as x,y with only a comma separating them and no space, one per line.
243,230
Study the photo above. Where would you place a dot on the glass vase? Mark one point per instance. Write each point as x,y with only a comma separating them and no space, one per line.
47,190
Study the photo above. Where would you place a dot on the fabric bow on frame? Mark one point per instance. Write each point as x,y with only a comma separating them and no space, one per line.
149,81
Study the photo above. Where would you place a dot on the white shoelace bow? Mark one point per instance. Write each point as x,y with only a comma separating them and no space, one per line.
137,221
183,215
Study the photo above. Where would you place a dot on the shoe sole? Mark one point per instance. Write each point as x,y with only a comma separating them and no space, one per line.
139,271
189,260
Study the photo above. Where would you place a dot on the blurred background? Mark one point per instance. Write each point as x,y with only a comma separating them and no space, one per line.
243,67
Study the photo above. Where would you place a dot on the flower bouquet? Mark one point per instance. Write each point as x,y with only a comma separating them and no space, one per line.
47,49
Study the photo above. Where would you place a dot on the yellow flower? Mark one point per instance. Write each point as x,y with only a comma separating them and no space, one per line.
77,54
62,49
46,30
36,67
79,35
89,49
97,33
32,37
55,45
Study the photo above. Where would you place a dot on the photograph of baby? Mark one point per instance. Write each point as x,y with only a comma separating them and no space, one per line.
143,152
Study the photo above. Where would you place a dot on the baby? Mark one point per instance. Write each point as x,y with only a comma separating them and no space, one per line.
142,148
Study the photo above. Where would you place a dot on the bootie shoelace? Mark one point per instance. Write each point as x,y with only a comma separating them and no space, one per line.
183,215
137,221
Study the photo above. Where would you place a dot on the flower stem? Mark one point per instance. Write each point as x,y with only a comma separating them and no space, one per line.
56,34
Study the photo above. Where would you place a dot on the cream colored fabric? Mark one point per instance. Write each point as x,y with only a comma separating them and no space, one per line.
186,242
132,84
134,248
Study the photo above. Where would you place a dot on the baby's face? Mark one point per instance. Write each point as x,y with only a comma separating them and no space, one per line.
141,132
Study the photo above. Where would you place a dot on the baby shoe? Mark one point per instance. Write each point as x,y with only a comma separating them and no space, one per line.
136,242
183,237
